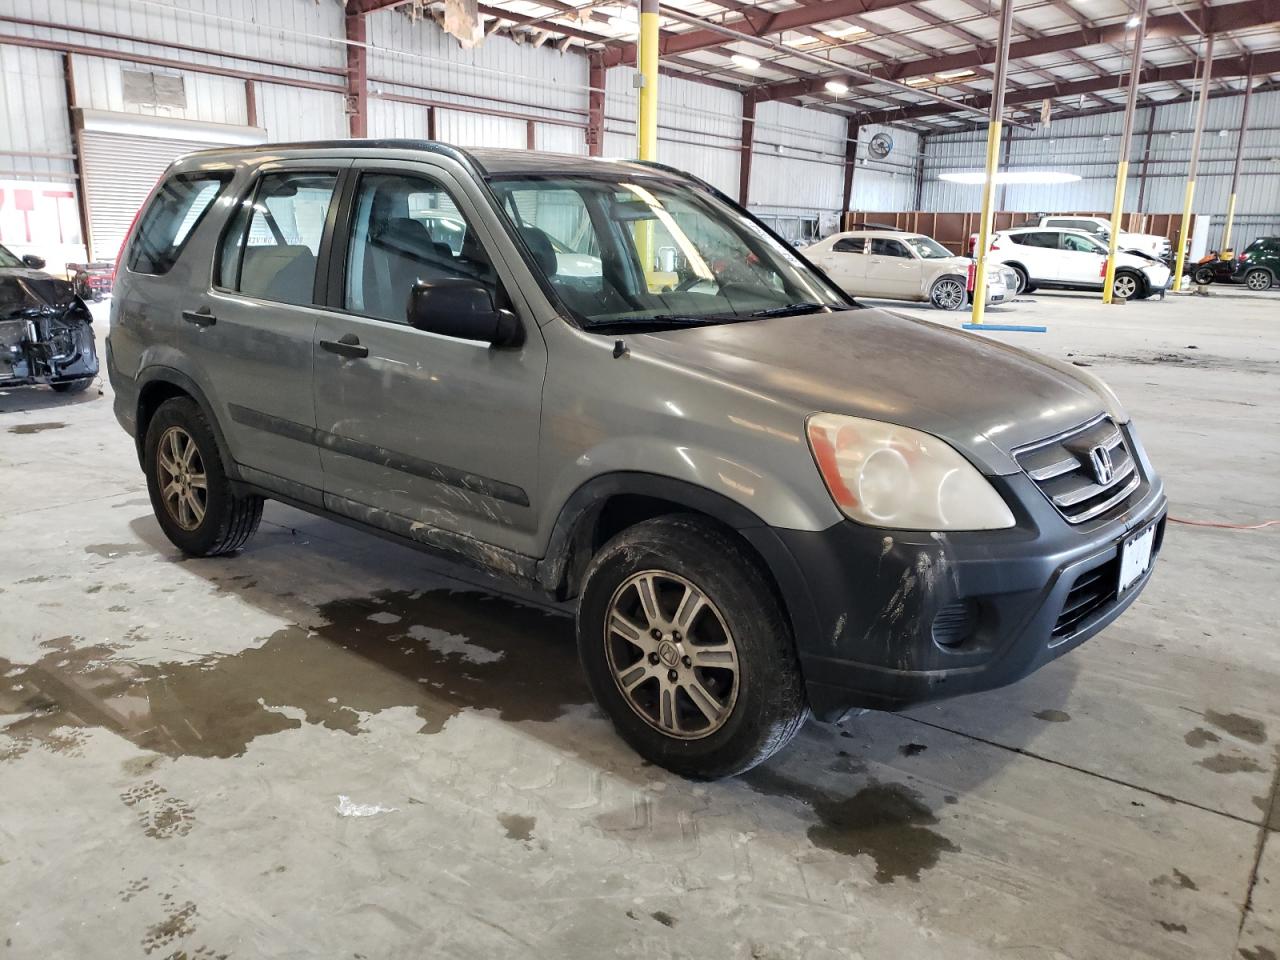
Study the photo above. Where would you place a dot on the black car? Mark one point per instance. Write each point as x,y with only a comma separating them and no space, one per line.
46,332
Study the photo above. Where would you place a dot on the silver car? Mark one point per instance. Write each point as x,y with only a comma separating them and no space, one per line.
764,500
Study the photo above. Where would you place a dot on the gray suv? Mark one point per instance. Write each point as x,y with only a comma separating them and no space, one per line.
607,381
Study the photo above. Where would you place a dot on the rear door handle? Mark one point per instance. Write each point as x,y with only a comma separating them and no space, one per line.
201,318
346,346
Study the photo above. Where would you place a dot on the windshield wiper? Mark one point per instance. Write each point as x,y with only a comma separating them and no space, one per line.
788,310
656,320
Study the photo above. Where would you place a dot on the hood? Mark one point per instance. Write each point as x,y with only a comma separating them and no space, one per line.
28,293
982,397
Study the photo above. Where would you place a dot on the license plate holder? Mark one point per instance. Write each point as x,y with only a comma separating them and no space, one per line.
1135,558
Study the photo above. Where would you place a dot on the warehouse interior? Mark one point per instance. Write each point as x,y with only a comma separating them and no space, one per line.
333,744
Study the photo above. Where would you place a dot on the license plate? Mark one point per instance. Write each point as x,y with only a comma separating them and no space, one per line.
1135,558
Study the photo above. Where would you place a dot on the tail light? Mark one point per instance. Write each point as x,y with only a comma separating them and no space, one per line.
995,244
124,244
1244,256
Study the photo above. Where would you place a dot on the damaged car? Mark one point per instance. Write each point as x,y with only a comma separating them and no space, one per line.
46,330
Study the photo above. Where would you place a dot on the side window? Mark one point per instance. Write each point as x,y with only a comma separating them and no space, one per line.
559,217
1077,244
850,245
175,211
888,248
270,250
405,230
1037,239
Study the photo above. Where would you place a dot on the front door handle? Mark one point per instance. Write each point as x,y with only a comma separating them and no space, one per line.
348,345
201,318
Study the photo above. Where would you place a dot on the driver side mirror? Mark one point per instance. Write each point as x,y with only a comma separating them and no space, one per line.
34,262
462,308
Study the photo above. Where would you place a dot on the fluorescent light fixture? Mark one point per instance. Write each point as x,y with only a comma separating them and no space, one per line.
802,41
625,19
841,32
1009,176
1132,22
838,87
918,81
953,74
745,62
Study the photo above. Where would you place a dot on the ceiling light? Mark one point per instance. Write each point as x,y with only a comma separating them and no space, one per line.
802,41
953,74
838,87
1009,176
842,32
745,62
918,81
1133,22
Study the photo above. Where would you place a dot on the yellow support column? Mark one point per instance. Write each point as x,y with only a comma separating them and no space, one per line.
647,130
984,224
1122,174
1126,142
1184,234
1226,231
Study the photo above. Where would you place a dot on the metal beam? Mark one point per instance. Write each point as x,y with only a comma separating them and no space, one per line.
1234,16
1122,164
850,164
1263,64
748,148
1193,166
1235,167
996,115
357,75
595,104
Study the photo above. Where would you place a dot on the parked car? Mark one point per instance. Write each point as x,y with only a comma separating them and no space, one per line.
1099,228
763,499
92,280
46,332
1072,260
1257,266
902,266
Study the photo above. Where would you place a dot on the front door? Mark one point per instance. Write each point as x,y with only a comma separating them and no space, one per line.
892,268
252,335
440,432
1081,261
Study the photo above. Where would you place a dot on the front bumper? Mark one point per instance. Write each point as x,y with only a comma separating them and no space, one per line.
904,617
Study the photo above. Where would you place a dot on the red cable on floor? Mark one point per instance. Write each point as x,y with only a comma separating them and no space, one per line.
1224,526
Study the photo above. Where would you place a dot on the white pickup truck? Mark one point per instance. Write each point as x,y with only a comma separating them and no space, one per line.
1100,228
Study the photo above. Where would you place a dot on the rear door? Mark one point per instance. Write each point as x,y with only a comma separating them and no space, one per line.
893,269
254,329
846,263
439,432
1037,250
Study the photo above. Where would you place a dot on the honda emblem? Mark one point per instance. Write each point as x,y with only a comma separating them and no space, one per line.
1103,468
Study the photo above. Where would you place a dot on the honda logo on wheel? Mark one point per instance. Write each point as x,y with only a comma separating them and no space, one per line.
1103,468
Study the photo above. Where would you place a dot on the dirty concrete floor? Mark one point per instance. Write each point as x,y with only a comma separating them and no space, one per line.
327,747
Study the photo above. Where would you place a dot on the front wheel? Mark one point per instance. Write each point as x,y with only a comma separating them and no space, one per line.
948,293
687,649
1128,286
193,499
1258,280
1023,281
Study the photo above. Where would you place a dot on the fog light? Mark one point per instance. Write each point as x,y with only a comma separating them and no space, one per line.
953,624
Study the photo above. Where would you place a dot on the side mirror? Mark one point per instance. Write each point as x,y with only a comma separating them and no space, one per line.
34,262
462,308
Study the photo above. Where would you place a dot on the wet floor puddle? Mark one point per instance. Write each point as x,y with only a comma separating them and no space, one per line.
436,652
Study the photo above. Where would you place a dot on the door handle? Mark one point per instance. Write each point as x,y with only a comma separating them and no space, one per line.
348,345
201,318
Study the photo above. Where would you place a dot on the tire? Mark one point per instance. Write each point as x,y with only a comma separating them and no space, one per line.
1128,285
751,673
1203,276
72,386
216,523
1024,282
949,293
1258,279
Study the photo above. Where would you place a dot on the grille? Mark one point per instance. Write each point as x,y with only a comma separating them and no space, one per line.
1092,591
1084,473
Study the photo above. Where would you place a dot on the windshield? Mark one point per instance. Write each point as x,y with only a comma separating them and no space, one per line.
927,248
654,252
7,259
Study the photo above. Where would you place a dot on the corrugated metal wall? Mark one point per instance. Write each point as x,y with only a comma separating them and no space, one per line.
295,113
699,126
1088,146
33,115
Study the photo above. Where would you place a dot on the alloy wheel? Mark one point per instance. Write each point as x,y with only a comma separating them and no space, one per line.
1258,280
1124,286
184,487
948,294
671,654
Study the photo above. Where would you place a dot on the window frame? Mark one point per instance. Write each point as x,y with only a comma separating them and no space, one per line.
224,178
250,190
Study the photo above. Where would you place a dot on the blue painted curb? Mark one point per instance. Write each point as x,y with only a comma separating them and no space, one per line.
1003,326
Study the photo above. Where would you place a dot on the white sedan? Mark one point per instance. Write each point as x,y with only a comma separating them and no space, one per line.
903,266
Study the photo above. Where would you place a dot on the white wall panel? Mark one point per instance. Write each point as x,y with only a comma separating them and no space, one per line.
560,139
477,130
295,113
389,118
798,165
33,115
210,98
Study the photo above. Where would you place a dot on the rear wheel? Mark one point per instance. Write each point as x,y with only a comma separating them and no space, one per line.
1203,275
1258,279
948,293
687,649
193,500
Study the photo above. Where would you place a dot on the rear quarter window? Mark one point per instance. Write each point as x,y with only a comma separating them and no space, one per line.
171,218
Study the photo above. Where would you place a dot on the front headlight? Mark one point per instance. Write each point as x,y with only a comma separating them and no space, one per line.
884,475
